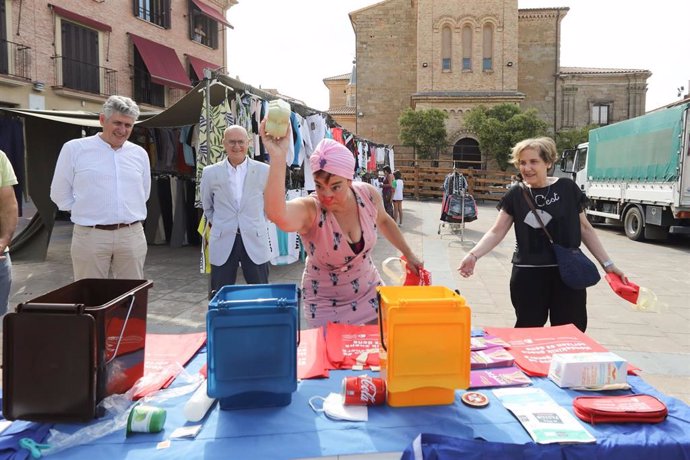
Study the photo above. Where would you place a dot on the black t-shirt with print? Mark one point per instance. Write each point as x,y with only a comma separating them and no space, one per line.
559,206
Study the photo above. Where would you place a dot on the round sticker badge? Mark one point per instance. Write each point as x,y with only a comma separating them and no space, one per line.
475,399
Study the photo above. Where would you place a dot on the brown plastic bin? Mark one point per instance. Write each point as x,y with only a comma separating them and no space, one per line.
65,351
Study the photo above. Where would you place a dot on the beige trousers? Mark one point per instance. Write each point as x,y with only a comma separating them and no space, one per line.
95,252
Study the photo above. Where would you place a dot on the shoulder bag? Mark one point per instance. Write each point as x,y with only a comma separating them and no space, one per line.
576,270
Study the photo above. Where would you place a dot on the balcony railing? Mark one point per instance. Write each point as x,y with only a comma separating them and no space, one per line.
15,60
83,76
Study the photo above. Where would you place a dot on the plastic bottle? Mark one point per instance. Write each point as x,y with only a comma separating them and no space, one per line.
278,118
648,301
198,404
397,277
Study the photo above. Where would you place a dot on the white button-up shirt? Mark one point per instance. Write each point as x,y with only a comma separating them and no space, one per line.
236,176
101,185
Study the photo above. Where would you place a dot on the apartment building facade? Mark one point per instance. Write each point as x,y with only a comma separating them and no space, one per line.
73,54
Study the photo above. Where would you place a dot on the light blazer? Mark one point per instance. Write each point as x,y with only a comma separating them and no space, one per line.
221,211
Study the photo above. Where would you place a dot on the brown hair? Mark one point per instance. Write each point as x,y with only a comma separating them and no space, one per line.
544,145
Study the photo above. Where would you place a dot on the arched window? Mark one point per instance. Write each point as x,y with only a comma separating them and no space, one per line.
446,48
467,48
488,52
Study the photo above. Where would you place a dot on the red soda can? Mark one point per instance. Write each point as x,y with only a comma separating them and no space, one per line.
364,390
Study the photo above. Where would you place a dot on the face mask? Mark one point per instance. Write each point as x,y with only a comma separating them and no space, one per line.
334,408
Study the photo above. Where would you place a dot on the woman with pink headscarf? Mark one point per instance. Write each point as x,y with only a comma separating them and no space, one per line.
338,227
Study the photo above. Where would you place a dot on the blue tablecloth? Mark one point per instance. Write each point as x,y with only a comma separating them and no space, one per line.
297,431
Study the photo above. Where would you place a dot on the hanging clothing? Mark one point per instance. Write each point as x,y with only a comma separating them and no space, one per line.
317,128
211,128
285,247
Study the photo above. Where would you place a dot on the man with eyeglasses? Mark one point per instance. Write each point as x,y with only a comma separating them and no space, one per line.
232,195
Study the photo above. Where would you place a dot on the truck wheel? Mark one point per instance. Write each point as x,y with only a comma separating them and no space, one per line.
634,224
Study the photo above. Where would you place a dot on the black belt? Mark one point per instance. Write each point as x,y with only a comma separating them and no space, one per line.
114,226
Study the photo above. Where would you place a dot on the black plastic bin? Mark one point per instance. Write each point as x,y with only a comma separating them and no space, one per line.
65,351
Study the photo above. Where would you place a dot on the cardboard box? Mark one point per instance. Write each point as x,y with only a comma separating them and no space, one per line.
587,369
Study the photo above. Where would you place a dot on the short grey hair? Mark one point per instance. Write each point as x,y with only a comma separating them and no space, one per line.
544,145
120,104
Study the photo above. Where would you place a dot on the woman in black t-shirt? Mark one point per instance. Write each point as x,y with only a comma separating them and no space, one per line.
536,289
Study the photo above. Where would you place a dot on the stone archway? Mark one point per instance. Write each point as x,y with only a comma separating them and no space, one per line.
466,154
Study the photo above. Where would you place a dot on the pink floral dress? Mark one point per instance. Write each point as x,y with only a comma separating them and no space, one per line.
338,285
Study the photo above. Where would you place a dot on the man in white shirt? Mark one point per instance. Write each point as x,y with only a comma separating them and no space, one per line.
232,195
104,181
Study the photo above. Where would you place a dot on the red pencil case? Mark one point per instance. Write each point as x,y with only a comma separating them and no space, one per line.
620,409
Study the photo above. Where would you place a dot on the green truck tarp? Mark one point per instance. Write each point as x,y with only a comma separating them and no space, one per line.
642,149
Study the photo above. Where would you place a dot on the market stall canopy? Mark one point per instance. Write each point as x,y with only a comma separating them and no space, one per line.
76,117
186,111
89,119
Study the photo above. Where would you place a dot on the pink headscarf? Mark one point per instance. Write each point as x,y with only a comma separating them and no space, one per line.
333,157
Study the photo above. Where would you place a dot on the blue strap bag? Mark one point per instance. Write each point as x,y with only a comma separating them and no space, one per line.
575,268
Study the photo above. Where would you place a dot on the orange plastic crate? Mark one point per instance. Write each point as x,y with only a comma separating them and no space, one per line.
425,344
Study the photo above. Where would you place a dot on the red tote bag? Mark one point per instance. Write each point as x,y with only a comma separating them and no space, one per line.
351,346
312,361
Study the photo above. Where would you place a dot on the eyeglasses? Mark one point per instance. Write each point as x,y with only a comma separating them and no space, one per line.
239,143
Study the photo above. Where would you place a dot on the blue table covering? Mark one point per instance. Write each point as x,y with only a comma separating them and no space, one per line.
296,431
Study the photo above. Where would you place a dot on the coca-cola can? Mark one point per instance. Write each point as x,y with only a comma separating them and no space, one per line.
364,390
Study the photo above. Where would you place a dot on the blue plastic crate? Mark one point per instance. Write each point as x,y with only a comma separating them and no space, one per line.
253,333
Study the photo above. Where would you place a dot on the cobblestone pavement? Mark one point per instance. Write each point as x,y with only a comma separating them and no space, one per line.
658,343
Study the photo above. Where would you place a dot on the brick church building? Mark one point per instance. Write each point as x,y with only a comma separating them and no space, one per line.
454,55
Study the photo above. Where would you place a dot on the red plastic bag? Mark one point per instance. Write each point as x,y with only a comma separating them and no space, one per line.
409,277
629,292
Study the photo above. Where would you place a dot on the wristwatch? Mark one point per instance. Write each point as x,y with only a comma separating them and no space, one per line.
607,264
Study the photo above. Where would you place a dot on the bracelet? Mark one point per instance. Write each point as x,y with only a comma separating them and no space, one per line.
473,255
607,264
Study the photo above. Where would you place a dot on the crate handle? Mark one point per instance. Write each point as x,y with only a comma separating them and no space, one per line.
429,302
77,308
378,299
122,332
280,302
299,314
277,301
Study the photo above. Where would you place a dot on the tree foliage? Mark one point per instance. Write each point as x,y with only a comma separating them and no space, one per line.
569,139
425,130
500,127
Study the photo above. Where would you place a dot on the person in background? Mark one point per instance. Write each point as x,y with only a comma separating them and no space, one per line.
8,224
232,197
199,34
536,289
398,186
104,181
338,227
387,191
